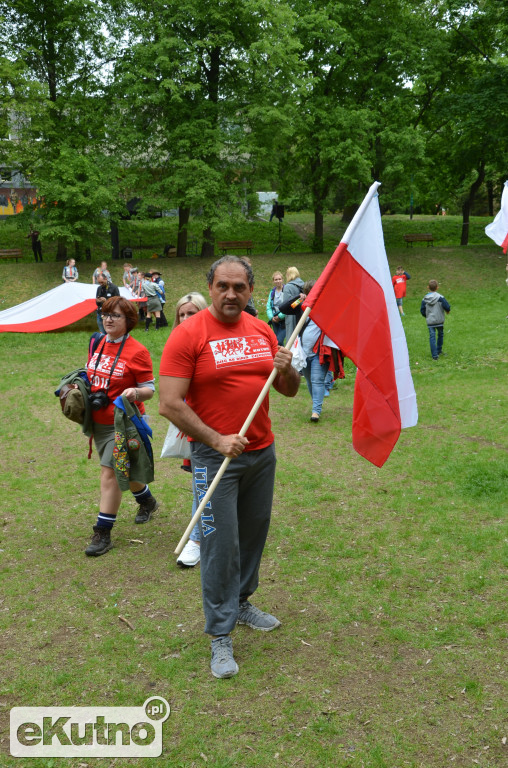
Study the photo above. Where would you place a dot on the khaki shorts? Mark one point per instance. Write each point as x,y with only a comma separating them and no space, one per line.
104,439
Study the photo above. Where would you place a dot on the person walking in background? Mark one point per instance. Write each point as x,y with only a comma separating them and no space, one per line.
275,317
70,271
137,290
103,269
153,293
251,307
324,363
399,281
186,307
157,278
36,244
127,276
433,308
105,291
213,367
292,290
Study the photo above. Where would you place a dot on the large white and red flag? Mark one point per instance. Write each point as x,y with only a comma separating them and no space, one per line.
498,229
354,303
61,306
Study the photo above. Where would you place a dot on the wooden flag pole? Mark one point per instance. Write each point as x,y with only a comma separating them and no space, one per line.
245,427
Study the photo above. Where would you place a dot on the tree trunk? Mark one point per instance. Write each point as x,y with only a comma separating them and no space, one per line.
464,236
490,197
468,203
348,213
183,221
115,241
207,246
61,251
77,250
318,242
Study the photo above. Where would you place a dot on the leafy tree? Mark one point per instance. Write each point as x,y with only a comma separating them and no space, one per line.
467,142
60,49
376,70
206,86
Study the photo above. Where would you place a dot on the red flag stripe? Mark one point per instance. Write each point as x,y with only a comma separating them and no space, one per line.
349,305
52,322
54,309
353,303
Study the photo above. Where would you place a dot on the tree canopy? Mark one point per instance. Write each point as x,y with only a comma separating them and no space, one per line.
196,105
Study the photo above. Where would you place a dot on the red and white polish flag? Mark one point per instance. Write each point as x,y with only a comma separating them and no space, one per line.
498,229
57,308
354,303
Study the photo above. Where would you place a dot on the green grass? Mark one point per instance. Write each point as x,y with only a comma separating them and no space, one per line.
390,583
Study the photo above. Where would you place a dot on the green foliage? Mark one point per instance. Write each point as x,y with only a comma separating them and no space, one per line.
196,105
58,106
197,80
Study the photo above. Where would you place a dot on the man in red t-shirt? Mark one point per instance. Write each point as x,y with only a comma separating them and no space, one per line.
212,370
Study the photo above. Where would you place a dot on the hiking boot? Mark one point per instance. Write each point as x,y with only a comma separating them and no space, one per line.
100,543
146,510
256,619
223,663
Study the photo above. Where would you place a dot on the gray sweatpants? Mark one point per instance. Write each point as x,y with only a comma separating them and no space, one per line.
234,526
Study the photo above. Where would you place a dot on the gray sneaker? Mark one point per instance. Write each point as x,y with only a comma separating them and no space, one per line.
256,619
223,663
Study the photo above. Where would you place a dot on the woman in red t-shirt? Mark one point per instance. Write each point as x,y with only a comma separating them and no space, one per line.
119,365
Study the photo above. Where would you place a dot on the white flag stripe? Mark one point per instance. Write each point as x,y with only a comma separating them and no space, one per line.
366,246
50,303
498,229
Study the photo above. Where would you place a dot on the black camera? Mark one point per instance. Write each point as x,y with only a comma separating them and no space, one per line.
98,400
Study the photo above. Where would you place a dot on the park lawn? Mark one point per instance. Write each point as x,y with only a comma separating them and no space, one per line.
390,583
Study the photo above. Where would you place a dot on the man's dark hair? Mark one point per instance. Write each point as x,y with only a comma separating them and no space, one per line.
231,260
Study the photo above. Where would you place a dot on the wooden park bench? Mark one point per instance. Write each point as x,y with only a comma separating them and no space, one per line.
234,245
11,253
419,238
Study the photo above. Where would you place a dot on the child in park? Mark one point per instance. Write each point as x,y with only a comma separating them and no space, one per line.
433,309
399,281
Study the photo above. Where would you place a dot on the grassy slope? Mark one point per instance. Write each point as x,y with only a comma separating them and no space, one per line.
296,234
390,582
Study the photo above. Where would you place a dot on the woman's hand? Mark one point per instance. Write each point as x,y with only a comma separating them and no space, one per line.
137,394
132,394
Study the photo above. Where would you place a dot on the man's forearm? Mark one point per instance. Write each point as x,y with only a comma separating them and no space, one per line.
287,383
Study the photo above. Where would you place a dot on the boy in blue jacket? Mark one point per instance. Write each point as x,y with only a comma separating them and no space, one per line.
433,309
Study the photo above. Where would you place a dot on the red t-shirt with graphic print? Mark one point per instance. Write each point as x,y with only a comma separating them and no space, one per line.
399,286
134,367
228,365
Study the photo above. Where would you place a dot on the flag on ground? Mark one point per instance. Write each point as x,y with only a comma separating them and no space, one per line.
498,229
61,306
354,303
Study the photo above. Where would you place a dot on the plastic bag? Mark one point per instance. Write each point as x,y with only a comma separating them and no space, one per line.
176,445
299,360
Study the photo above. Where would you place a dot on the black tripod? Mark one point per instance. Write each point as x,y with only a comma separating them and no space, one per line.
279,244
